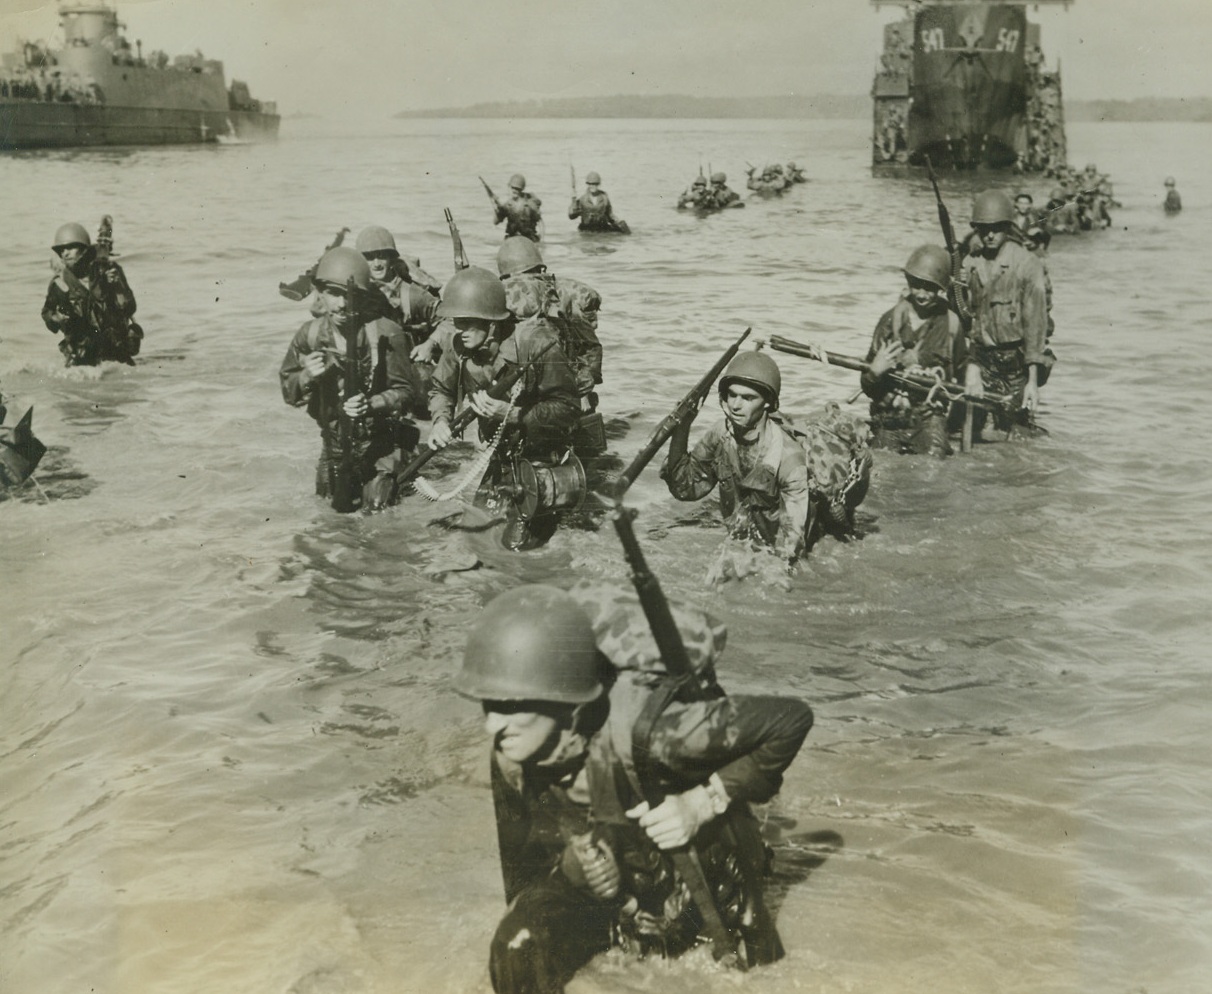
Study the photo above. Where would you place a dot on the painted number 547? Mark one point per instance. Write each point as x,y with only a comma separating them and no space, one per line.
1007,40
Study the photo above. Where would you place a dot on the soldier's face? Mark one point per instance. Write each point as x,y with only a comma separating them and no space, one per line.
71,254
992,236
379,263
336,302
473,333
518,734
743,406
921,292
1022,205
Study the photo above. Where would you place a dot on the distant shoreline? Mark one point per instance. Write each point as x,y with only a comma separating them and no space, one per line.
820,106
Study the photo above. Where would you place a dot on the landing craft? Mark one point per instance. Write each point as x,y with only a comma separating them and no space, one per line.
964,82
98,90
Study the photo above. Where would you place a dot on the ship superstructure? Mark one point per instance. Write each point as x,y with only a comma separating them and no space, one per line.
98,90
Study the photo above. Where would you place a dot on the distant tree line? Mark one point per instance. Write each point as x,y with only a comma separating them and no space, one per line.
827,105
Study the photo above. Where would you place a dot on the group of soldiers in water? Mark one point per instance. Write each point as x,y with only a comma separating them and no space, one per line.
621,771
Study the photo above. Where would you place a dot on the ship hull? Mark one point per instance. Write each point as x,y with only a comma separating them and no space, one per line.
39,124
966,90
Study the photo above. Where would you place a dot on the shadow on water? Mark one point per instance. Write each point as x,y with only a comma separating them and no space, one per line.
795,855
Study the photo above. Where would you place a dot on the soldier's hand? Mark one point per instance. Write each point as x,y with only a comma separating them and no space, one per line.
886,358
677,819
1031,396
440,434
974,386
489,407
314,365
426,351
356,407
112,276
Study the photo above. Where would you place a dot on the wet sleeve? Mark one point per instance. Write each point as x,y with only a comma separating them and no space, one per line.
748,741
443,386
871,386
793,504
1034,304
574,209
56,300
550,395
691,475
403,384
296,387
121,294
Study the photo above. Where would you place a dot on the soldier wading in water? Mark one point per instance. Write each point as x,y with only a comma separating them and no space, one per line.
567,682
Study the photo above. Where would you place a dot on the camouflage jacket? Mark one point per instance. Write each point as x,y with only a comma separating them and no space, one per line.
572,309
385,371
590,781
1009,300
763,487
99,296
546,407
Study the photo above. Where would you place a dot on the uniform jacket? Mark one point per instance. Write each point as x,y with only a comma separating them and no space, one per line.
548,400
103,298
937,342
521,215
763,487
1009,300
572,308
413,307
748,741
594,209
384,370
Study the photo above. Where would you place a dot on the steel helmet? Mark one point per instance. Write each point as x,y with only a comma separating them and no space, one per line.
341,264
532,643
699,181
1169,182
1057,194
992,207
756,370
473,293
719,178
930,263
517,182
516,255
375,239
71,234
593,179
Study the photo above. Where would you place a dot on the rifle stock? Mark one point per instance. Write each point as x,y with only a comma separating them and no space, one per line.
458,424
912,382
460,256
687,406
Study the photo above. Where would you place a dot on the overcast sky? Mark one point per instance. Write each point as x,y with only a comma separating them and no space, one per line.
371,58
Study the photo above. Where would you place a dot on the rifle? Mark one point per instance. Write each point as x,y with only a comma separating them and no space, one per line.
954,295
681,684
491,196
686,407
912,382
497,390
573,172
105,238
460,256
346,491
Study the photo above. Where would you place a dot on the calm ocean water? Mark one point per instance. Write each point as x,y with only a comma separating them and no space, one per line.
230,759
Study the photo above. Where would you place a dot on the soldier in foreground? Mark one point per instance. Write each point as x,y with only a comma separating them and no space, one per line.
360,408
919,334
1008,297
89,301
594,209
567,683
696,196
521,212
